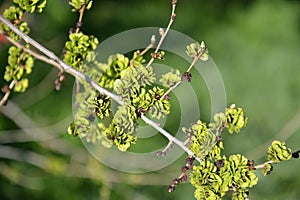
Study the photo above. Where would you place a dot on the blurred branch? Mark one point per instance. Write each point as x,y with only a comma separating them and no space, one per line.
37,92
13,112
17,154
19,178
34,133
80,163
286,132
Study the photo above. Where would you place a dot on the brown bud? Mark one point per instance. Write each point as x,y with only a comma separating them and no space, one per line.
220,164
78,24
251,165
183,177
171,188
186,76
5,89
173,16
72,30
184,169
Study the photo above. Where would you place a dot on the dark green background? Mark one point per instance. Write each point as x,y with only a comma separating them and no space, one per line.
255,45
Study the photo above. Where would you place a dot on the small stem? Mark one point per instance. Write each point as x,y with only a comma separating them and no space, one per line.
152,42
164,151
172,19
189,69
170,137
186,141
81,11
5,98
170,89
261,166
198,57
146,49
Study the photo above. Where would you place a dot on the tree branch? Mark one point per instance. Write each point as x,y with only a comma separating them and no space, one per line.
79,75
195,59
67,68
165,32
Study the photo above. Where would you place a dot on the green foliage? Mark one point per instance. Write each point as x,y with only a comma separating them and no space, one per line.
102,106
121,130
31,5
195,50
14,15
159,107
90,107
112,69
20,63
216,175
171,78
213,180
267,169
78,4
278,152
130,79
19,66
235,119
219,122
78,48
201,138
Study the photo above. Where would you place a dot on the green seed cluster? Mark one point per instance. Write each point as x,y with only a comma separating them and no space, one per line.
134,83
31,5
20,65
278,152
213,180
78,49
235,119
171,78
78,4
216,174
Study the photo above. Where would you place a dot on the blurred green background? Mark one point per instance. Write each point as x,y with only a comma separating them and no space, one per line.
256,46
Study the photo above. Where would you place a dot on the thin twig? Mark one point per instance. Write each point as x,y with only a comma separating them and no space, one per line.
202,52
7,93
152,42
263,165
79,23
164,151
67,68
170,137
35,54
284,134
188,70
172,19
170,89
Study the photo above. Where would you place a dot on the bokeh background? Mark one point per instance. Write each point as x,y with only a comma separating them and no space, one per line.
254,43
